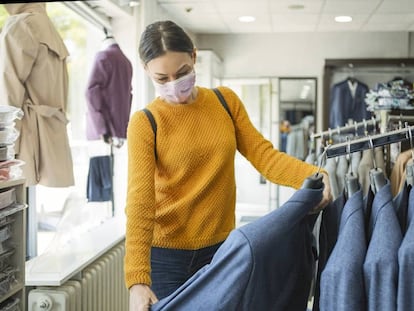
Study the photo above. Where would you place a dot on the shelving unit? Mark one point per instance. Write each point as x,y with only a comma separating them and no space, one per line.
12,244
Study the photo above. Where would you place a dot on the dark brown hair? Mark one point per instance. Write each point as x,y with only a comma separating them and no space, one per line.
162,36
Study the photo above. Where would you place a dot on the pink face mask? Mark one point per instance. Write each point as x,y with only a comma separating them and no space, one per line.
176,91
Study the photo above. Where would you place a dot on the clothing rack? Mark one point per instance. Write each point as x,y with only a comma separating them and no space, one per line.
347,128
369,142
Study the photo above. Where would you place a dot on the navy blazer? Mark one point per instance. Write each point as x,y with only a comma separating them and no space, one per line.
328,234
344,106
405,297
401,206
264,265
342,280
381,262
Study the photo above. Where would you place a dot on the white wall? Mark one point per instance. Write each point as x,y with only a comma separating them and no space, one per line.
300,54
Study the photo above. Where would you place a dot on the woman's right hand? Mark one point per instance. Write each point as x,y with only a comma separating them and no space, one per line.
141,297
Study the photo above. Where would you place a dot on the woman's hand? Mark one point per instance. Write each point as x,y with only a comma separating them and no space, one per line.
326,195
141,297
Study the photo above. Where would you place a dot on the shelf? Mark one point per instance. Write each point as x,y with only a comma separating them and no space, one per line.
15,258
12,209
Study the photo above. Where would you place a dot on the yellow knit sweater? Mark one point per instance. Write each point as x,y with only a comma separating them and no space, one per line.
186,199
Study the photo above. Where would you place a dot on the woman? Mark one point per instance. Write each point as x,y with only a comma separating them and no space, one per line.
181,183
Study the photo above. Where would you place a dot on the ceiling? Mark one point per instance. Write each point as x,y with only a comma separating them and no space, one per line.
273,16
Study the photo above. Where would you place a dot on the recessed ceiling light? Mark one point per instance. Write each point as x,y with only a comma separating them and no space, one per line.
343,19
247,19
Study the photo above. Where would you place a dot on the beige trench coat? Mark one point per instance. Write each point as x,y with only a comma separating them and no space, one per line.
33,77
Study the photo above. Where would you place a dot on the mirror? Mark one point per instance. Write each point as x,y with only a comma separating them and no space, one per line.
297,114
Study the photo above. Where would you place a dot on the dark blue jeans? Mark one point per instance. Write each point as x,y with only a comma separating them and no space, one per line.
170,268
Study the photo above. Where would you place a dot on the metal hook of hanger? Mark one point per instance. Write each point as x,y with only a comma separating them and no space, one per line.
374,121
329,136
365,127
409,168
348,152
376,175
356,128
410,136
351,179
371,144
323,158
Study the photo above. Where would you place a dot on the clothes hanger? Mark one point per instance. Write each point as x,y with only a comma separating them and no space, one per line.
351,179
315,181
376,174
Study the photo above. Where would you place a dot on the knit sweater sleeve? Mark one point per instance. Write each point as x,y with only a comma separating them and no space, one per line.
140,203
278,167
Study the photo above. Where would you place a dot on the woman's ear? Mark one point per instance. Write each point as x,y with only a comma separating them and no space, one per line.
194,55
145,67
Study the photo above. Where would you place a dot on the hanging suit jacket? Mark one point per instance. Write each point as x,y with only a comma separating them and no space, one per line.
344,106
367,163
341,170
33,77
381,262
264,265
328,234
401,201
405,298
330,167
108,94
342,280
397,176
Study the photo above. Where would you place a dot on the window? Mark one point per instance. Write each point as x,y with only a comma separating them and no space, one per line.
64,212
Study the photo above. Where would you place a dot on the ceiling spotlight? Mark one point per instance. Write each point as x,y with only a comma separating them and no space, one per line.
246,19
133,3
343,19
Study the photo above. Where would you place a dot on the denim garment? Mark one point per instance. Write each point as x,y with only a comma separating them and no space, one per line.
264,265
170,268
99,186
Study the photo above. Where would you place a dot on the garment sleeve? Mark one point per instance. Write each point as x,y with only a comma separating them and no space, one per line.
18,53
96,94
276,166
140,204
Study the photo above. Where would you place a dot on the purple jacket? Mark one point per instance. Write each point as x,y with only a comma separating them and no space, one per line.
108,94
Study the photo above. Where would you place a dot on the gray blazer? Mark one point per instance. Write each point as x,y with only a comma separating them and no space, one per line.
381,262
264,265
342,280
405,297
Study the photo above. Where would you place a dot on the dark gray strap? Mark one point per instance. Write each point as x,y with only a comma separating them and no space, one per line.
222,101
154,124
154,129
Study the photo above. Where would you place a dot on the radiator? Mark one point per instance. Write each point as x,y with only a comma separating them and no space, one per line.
100,287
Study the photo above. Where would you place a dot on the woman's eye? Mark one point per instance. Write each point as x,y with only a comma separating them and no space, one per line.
162,80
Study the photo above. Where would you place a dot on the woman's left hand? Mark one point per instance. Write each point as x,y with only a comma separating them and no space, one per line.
326,195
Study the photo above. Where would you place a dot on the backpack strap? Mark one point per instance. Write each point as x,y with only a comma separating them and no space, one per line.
154,124
222,101
154,129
